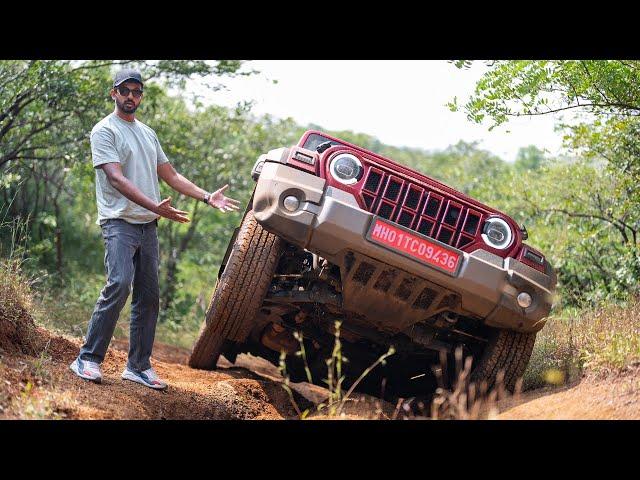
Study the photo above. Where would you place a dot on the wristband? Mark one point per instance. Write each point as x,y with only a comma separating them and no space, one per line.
206,198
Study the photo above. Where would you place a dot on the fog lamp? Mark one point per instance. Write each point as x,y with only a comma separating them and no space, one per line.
291,203
524,300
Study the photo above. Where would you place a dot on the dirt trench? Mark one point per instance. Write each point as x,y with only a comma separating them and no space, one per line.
36,382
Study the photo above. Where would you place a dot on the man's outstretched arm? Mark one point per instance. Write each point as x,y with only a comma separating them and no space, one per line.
128,189
180,184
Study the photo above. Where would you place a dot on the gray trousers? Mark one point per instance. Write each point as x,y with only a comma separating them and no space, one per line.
131,257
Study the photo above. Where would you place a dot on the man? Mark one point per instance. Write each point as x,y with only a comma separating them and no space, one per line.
128,160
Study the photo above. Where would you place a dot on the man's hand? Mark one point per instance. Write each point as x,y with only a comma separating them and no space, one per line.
224,204
164,209
186,187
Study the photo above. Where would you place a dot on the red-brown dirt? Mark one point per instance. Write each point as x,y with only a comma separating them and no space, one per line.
592,398
35,382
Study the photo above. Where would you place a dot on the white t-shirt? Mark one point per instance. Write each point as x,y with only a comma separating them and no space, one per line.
136,147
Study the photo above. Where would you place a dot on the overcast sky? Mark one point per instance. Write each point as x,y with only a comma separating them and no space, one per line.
402,103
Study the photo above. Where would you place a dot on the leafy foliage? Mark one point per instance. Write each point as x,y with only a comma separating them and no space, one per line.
595,196
518,88
47,109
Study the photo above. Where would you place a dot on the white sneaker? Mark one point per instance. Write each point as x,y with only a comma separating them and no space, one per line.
148,378
87,370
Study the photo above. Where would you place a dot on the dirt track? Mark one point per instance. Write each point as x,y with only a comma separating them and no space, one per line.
44,387
48,389
616,397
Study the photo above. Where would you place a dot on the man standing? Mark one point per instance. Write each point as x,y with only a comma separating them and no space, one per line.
128,160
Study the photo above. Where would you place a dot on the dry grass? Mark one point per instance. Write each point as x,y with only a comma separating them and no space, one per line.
18,335
600,341
597,341
15,291
464,400
17,328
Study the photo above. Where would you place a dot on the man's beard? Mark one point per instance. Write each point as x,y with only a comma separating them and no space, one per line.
126,108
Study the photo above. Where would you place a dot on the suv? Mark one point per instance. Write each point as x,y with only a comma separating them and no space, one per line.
337,232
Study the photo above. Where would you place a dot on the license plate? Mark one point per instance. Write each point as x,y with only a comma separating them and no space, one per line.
414,246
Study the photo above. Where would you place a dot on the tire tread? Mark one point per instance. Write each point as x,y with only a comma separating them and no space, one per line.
239,292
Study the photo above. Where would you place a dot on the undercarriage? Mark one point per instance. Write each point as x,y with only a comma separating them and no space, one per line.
306,296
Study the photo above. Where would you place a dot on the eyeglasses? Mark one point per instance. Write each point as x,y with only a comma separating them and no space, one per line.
124,91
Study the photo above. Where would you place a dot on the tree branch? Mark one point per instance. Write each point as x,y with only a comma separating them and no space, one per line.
12,155
616,223
13,112
593,84
17,75
583,105
100,65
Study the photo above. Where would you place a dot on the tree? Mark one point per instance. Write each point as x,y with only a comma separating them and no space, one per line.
524,88
598,194
529,158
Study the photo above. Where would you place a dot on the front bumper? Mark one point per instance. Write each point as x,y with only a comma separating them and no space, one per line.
329,222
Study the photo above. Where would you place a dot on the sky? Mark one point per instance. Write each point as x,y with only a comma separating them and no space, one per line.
402,103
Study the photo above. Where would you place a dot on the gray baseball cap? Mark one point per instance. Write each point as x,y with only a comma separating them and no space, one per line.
127,74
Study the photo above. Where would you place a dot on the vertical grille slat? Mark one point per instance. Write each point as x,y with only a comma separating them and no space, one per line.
392,192
368,200
463,241
385,210
373,181
445,235
432,208
471,223
405,218
452,214
413,197
425,226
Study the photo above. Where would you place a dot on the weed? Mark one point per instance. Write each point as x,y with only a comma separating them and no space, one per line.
599,341
40,365
286,384
302,353
464,400
33,405
337,399
379,361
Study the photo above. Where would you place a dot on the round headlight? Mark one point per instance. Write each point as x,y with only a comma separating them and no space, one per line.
497,233
346,168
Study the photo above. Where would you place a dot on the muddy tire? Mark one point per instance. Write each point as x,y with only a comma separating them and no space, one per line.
507,351
238,293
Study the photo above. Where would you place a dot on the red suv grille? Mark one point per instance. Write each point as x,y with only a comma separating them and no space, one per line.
425,211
